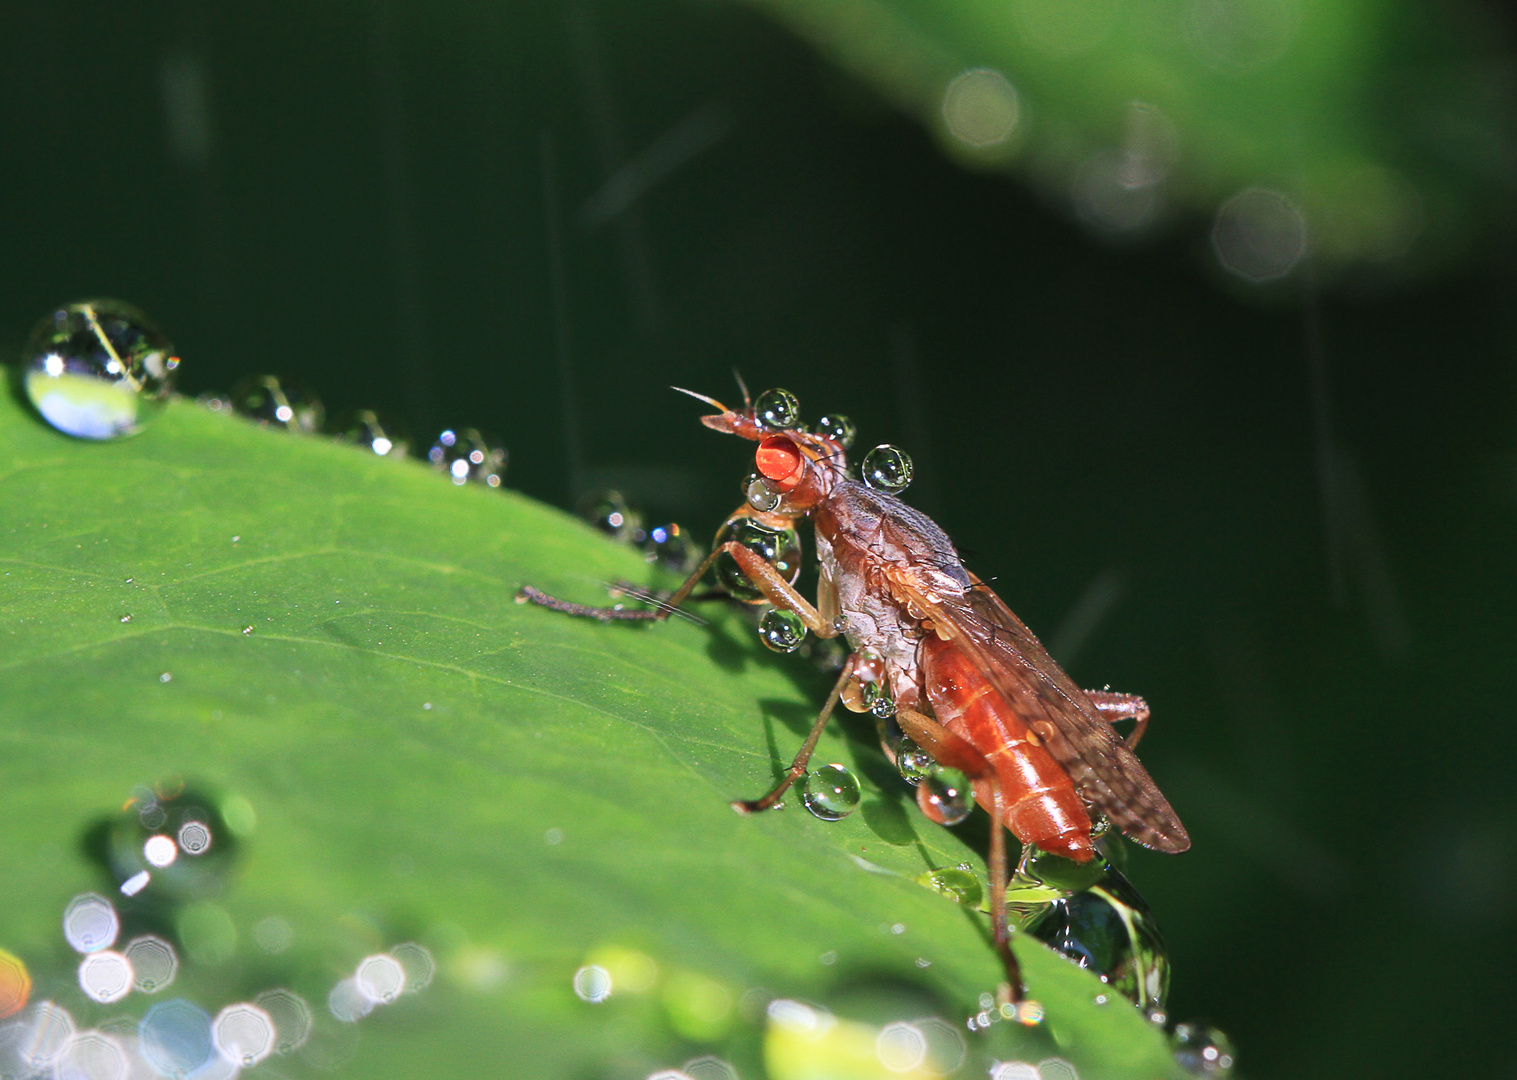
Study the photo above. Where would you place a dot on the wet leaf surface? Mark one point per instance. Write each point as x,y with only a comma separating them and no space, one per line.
326,642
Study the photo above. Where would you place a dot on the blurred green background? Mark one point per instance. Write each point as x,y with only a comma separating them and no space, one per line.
1196,318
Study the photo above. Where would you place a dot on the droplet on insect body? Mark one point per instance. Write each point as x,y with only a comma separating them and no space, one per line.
887,468
278,403
98,369
781,548
466,455
783,631
945,796
373,431
830,793
838,428
914,763
777,410
760,493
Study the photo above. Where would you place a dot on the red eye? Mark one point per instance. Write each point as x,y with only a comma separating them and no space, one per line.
780,460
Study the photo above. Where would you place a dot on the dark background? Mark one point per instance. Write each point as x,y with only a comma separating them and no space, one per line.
1286,516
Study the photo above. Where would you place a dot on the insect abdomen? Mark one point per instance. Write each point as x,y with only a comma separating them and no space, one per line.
1040,801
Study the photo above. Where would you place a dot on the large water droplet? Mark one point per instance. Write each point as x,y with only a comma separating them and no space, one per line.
887,468
275,402
838,428
867,683
945,796
780,547
381,434
830,793
1109,929
467,456
1203,1050
783,631
777,410
98,369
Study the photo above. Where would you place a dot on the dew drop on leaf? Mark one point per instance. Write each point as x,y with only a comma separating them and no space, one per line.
98,369
466,456
380,434
830,793
279,403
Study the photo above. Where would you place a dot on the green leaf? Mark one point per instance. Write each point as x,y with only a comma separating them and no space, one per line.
323,644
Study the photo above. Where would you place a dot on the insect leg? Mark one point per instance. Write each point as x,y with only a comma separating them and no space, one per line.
1114,707
957,752
528,595
776,589
798,766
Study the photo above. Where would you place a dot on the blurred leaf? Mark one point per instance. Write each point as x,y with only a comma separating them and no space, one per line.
326,642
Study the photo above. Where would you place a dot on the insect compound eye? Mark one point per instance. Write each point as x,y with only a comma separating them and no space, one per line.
781,548
780,460
838,428
887,468
777,410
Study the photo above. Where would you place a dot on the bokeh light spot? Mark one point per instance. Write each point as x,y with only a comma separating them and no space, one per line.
175,1037
592,983
1259,235
291,1016
244,1034
980,108
90,923
380,978
15,985
154,963
106,976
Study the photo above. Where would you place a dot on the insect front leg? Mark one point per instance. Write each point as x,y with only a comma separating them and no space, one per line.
1115,707
957,752
528,595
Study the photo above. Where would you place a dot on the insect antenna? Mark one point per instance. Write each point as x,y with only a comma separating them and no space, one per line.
702,397
747,401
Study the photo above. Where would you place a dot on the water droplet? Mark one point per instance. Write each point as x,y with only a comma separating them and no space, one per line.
90,923
960,883
883,706
98,369
466,456
106,976
760,493
167,676
780,547
1109,929
610,512
783,631
1202,1050
830,793
670,546
945,796
243,1034
246,630
887,468
915,763
126,618
279,403
777,410
376,432
154,963
838,428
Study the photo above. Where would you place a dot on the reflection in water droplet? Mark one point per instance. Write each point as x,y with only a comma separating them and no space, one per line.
914,763
154,963
592,983
243,1034
380,978
98,369
291,1017
175,1037
838,428
782,631
887,468
348,1003
93,1055
15,984
467,456
105,976
90,923
830,793
865,684
418,964
776,410
382,435
1203,1050
781,548
279,403
945,796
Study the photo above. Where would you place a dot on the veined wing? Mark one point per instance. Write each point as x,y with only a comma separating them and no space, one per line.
1105,772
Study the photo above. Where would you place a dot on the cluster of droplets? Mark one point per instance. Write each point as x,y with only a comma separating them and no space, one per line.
668,546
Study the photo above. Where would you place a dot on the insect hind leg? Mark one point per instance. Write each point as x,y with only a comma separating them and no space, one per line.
1115,707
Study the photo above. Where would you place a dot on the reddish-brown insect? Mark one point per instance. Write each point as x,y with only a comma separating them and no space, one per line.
970,683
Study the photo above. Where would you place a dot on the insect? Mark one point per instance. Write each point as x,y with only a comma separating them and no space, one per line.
931,647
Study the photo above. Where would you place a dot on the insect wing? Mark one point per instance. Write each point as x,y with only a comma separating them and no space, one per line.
1105,772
